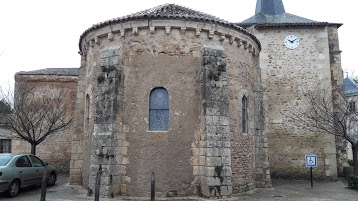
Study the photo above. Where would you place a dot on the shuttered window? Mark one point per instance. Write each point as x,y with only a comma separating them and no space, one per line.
158,110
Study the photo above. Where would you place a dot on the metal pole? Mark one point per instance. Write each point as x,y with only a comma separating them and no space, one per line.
97,184
152,187
44,186
311,178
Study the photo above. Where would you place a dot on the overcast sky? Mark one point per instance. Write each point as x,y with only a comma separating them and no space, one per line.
37,34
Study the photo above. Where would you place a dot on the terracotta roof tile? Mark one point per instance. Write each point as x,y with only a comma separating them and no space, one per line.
169,11
51,71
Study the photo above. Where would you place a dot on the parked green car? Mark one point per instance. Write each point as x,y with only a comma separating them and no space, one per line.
22,170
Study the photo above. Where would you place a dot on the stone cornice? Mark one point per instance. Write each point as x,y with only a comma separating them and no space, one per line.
232,36
168,12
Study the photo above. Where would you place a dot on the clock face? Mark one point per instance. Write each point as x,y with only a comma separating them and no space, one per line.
292,41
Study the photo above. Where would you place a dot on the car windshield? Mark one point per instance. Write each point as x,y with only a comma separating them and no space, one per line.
4,159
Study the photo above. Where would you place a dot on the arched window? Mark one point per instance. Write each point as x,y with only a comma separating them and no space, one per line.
87,113
158,110
244,114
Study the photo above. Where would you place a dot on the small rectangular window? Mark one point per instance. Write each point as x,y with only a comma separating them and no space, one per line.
5,146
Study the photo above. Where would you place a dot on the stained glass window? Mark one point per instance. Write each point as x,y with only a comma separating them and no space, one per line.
159,110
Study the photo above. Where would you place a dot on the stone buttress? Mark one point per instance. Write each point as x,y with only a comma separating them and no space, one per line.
216,180
104,140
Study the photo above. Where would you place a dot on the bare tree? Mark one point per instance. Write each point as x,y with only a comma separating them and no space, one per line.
34,116
331,113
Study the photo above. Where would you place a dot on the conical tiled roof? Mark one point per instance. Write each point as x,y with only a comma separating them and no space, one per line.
272,12
173,10
269,7
168,11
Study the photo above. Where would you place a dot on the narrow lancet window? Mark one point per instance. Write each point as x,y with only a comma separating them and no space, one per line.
87,113
244,114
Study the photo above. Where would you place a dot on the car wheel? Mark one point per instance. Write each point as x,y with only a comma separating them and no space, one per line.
51,179
13,189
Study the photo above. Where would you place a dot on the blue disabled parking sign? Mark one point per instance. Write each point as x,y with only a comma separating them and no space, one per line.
311,160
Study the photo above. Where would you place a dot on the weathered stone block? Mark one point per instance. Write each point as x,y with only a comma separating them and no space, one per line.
196,170
213,181
124,161
225,152
202,160
126,179
195,160
210,171
226,161
202,152
226,190
195,151
213,161
226,171
224,121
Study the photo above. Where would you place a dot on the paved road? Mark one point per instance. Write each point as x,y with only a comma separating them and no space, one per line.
62,191
283,190
300,190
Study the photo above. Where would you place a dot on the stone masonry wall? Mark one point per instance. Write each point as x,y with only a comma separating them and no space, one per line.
286,74
168,54
262,164
105,137
216,181
337,83
56,148
78,150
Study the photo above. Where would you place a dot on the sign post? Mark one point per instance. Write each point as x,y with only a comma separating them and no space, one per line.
311,161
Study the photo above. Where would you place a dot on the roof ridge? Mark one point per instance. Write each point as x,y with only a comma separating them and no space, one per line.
167,9
51,71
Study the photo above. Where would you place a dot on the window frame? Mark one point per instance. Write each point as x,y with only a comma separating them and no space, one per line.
34,163
29,164
244,115
87,113
2,145
158,108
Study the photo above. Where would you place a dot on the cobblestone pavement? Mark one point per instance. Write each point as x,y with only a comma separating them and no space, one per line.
295,190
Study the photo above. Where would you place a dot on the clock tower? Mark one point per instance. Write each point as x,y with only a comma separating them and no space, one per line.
296,57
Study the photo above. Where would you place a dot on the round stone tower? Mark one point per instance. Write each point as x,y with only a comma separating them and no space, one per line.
172,91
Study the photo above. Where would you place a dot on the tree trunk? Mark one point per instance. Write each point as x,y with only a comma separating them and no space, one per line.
355,158
33,148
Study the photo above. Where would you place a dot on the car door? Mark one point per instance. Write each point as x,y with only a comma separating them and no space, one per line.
24,170
38,167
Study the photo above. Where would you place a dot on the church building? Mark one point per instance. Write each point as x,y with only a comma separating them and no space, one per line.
297,55
200,101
